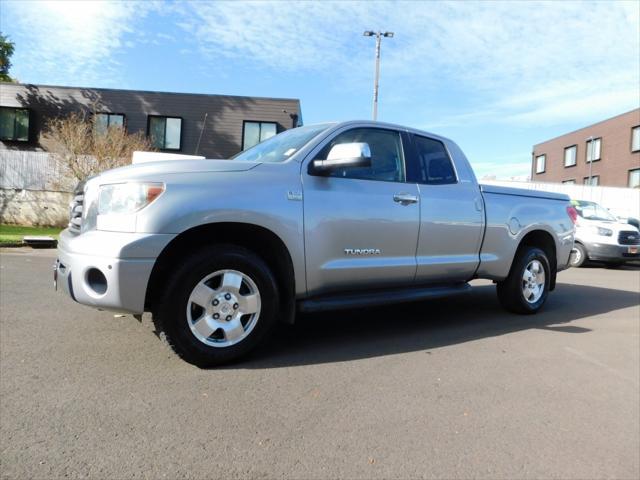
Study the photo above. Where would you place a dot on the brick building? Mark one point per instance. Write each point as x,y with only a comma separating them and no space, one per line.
613,144
32,188
215,126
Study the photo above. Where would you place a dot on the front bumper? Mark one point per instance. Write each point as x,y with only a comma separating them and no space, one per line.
604,252
106,269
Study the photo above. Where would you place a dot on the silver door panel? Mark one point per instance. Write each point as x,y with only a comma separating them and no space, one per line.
451,229
349,214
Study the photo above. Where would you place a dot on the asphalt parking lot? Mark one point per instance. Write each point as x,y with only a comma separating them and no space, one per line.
454,388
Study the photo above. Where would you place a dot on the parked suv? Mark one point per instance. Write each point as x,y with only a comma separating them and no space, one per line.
600,236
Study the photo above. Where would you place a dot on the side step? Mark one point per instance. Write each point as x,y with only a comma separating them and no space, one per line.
379,297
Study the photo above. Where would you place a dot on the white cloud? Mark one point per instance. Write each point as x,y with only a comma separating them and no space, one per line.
70,42
524,62
288,36
166,36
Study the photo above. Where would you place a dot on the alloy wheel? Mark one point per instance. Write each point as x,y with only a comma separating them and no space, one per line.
223,308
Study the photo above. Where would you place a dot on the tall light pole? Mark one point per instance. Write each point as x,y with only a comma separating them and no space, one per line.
378,35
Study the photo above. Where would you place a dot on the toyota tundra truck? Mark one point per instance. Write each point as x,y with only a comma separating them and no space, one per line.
317,218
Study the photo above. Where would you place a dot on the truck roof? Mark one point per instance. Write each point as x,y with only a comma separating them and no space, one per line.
376,123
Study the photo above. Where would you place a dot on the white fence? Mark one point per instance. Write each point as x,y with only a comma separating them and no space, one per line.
623,202
30,171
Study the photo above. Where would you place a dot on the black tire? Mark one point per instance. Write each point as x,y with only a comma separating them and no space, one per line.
171,313
510,291
579,257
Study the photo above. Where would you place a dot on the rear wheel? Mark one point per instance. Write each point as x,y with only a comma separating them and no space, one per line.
578,256
526,288
221,303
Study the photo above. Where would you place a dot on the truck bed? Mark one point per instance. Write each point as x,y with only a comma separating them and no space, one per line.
523,192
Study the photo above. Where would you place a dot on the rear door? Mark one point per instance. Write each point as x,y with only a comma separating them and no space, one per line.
451,214
361,224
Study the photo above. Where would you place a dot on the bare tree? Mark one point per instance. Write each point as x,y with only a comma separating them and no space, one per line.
82,150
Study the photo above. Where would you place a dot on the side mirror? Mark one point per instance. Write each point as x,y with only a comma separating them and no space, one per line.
345,155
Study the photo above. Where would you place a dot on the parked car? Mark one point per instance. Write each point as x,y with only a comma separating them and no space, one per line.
316,218
600,236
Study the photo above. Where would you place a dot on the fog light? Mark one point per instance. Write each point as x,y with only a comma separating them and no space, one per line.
96,281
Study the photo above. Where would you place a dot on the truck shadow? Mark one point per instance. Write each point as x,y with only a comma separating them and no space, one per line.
365,333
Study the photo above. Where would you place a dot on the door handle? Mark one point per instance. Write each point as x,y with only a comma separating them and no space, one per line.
405,198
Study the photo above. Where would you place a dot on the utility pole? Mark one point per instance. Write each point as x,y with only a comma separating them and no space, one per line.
378,35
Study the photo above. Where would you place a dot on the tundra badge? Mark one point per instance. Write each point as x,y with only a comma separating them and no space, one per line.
362,251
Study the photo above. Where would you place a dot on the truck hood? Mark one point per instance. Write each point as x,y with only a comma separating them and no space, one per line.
161,168
616,225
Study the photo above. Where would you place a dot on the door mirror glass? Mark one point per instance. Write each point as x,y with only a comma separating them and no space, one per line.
345,155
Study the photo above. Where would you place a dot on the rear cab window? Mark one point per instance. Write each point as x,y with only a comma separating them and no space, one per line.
431,163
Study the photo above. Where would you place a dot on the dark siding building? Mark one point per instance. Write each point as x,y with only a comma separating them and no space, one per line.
222,125
612,160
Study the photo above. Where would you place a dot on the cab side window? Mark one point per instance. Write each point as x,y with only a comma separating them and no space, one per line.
434,164
387,159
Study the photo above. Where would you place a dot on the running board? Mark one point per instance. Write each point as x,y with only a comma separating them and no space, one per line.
375,298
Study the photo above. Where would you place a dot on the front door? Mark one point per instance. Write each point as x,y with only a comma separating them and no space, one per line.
361,224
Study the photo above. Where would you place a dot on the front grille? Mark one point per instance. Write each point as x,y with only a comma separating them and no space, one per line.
628,237
75,209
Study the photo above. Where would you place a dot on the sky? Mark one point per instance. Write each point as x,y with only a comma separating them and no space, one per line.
496,77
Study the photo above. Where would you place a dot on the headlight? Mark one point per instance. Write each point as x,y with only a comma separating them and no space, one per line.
603,232
125,198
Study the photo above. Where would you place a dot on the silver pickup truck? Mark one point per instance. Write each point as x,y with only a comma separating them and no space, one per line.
319,217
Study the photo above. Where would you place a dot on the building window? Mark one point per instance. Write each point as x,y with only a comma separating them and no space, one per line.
570,156
165,132
595,180
103,121
255,132
14,124
635,139
634,178
541,161
569,182
593,151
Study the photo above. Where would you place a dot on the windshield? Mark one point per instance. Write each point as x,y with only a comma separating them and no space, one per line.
593,211
282,146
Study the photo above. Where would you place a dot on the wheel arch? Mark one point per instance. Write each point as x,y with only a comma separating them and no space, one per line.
260,240
582,244
543,240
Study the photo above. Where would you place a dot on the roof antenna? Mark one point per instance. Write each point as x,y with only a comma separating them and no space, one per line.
204,122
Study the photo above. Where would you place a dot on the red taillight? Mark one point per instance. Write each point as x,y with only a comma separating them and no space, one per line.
573,214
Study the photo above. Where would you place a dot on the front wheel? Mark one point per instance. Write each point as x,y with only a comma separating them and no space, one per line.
220,304
578,256
526,288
